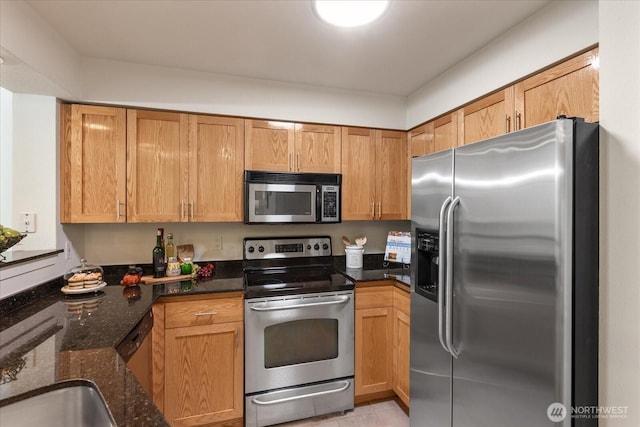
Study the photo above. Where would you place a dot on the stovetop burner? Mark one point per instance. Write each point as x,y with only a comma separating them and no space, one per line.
290,265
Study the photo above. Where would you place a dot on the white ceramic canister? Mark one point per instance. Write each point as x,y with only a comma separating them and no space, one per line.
354,256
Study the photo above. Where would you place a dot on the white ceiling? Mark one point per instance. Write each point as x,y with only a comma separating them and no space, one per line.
282,40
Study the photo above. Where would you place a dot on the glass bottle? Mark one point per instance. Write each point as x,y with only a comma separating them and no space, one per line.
159,265
170,247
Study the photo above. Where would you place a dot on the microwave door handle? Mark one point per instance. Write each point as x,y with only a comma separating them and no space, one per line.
441,273
449,280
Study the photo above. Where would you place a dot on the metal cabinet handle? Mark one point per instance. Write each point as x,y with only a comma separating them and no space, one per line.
262,306
182,210
205,313
257,401
449,280
518,120
117,209
507,123
442,261
379,210
299,163
191,209
290,161
373,210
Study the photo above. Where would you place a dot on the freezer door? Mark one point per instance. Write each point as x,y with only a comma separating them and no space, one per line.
430,379
512,278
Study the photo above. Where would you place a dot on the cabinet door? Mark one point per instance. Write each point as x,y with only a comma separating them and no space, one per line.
401,345
317,148
373,364
358,173
391,175
269,145
570,88
203,376
421,140
216,166
156,166
445,132
486,118
374,339
93,164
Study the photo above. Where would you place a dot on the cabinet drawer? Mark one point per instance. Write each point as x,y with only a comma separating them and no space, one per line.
372,297
203,312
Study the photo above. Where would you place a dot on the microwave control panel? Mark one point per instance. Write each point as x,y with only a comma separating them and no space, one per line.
330,203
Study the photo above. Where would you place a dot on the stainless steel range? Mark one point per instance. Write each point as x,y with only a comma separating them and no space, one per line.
299,331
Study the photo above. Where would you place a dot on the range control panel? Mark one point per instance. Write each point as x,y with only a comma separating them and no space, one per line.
286,247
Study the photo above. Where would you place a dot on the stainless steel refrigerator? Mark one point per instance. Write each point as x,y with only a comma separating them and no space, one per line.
504,273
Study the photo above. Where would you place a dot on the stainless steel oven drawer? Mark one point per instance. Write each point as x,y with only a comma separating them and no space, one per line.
295,403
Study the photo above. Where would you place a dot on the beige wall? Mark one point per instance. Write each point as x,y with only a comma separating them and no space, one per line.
620,209
109,244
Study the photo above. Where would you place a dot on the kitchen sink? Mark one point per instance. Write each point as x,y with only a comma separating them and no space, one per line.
67,403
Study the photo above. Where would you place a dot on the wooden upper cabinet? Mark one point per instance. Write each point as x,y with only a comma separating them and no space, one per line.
358,173
445,132
421,140
93,164
374,174
391,167
292,147
216,167
269,145
157,166
486,118
318,148
570,88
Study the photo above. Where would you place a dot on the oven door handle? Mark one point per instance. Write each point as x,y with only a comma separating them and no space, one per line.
263,306
257,401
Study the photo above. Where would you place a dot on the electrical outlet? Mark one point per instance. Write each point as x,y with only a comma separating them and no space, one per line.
67,250
28,222
219,242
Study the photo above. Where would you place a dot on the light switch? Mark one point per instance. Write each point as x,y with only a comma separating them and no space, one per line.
28,221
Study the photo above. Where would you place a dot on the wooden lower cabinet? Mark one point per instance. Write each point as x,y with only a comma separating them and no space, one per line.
382,342
199,361
401,344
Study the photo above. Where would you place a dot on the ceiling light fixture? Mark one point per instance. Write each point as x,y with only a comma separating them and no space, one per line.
349,13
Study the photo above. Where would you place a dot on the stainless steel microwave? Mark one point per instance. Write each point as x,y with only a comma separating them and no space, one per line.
284,197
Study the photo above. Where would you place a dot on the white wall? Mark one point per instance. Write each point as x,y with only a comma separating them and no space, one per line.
171,88
36,59
620,209
6,157
34,178
554,33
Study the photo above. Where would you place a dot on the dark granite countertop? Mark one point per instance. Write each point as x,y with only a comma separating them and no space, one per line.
48,336
58,337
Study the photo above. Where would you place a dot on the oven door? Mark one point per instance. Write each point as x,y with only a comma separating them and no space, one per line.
280,203
298,339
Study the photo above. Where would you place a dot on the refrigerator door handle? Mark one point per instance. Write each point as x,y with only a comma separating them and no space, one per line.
441,276
449,280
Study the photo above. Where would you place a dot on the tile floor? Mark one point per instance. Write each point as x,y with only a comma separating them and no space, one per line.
381,414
